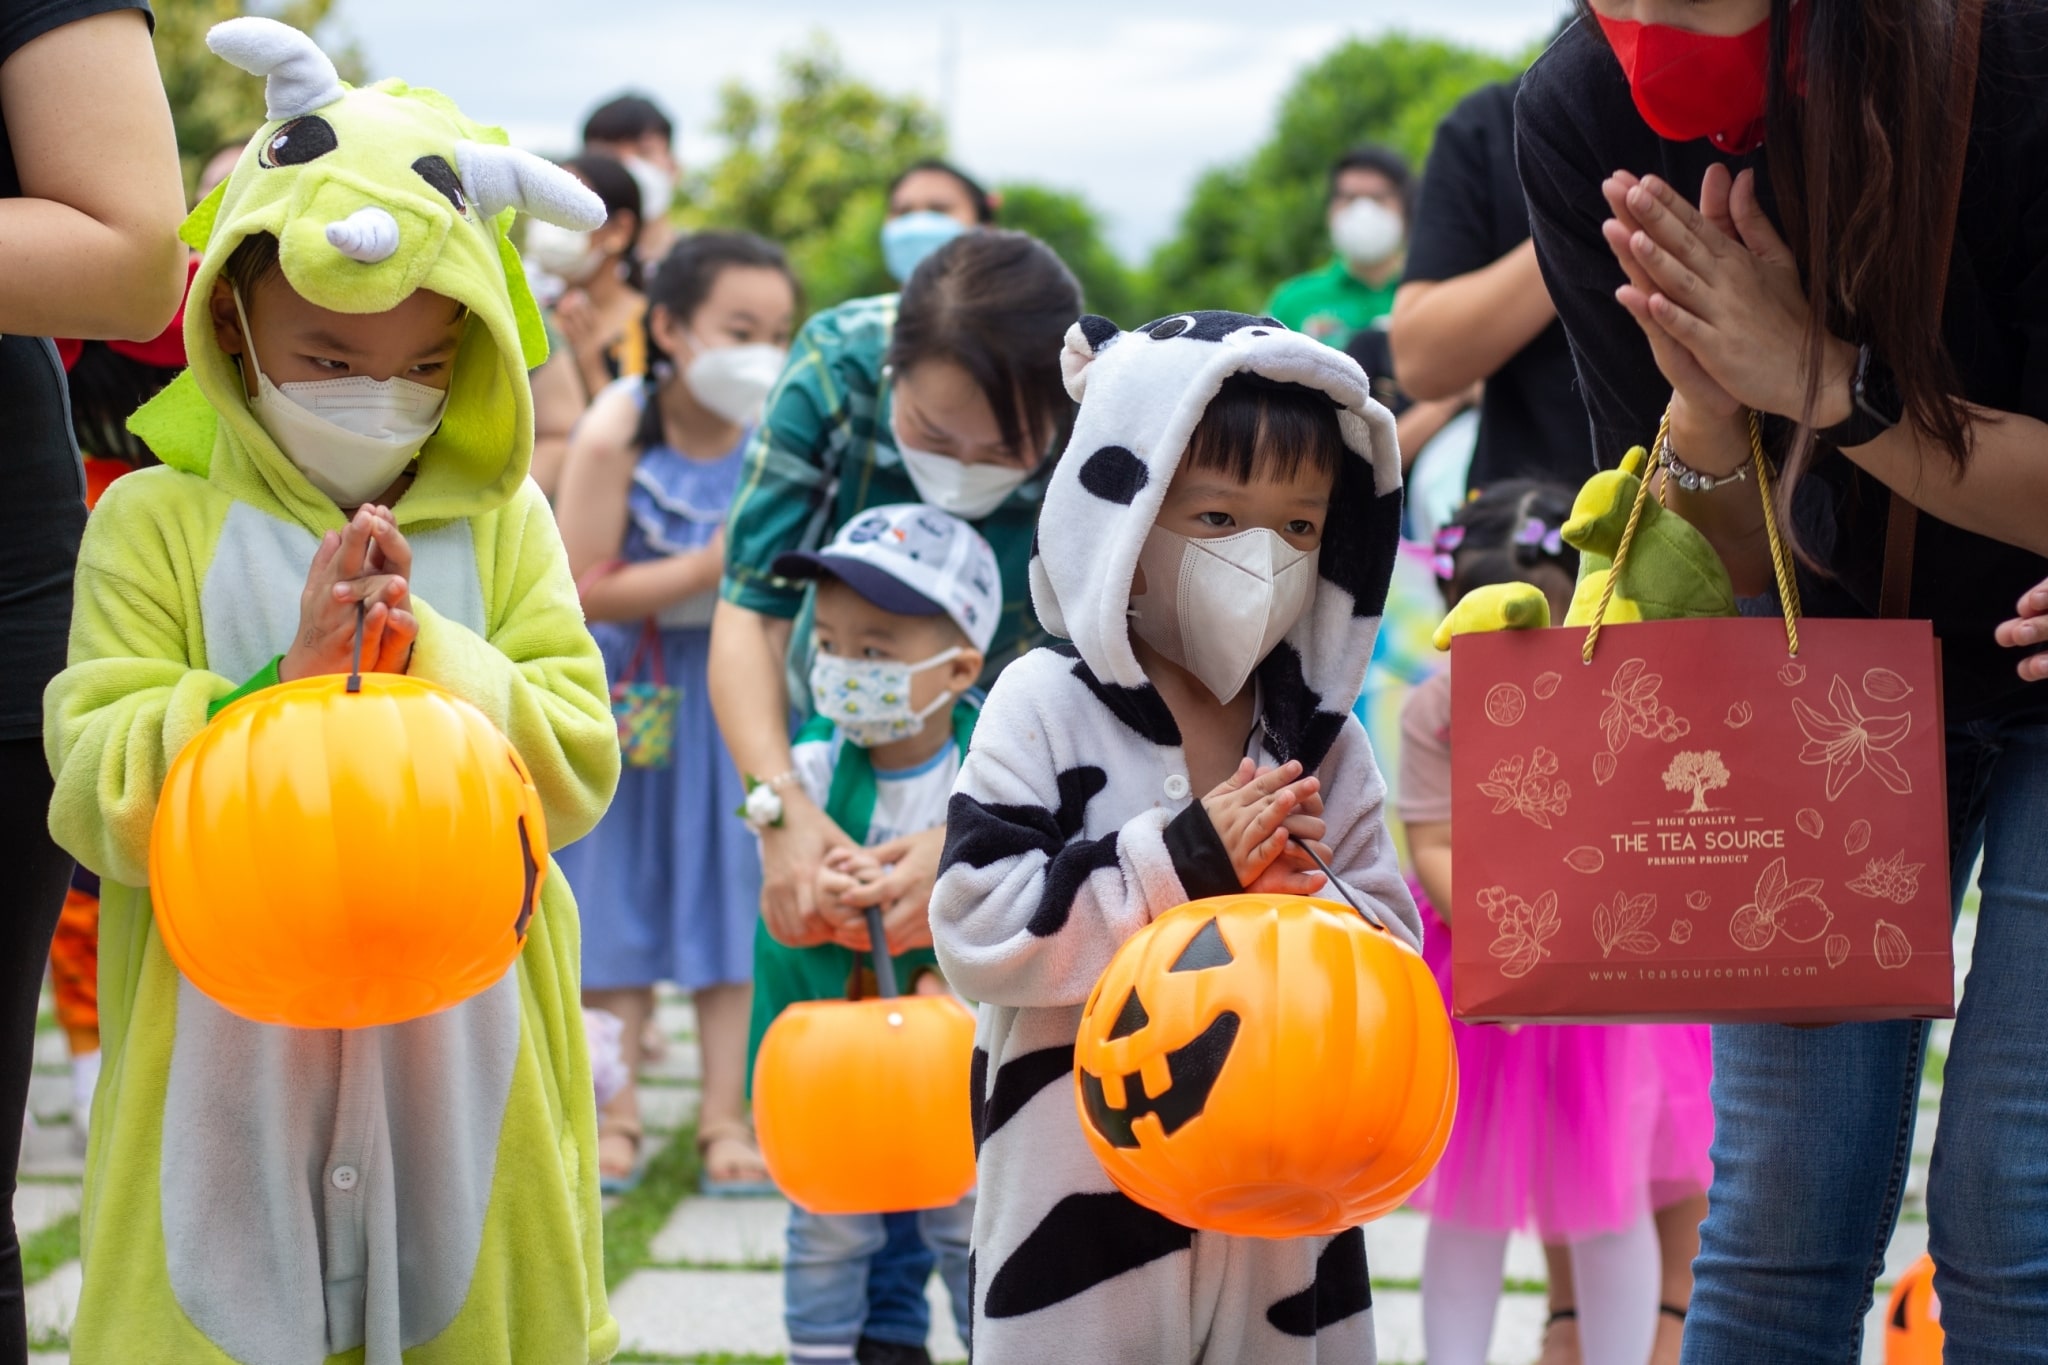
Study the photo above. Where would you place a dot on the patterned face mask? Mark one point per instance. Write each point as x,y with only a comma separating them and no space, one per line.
869,699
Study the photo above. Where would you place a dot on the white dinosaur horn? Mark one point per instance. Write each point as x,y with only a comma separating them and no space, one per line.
498,178
368,235
298,77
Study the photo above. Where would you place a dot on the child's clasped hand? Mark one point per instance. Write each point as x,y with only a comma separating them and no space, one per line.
1263,815
367,563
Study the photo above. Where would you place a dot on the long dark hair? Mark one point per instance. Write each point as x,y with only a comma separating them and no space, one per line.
610,181
998,305
681,283
1860,163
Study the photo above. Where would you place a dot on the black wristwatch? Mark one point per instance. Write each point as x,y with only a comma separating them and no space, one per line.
1875,405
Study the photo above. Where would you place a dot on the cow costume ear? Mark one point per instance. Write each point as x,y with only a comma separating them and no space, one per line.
1085,340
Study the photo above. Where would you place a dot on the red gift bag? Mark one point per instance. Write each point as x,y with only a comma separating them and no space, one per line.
1709,821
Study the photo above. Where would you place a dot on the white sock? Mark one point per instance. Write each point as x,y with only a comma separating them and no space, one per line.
85,1078
1461,1280
1618,1278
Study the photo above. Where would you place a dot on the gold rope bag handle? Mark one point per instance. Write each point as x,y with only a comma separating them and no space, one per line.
1781,558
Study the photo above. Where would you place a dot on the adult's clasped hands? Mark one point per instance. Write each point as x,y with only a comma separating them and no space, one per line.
897,877
1717,292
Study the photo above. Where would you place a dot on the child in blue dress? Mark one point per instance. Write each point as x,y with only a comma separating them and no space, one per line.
671,878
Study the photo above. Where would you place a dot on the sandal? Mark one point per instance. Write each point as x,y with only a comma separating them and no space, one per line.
734,1133
628,1132
1561,1351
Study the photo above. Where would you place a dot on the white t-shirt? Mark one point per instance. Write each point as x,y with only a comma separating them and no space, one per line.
907,801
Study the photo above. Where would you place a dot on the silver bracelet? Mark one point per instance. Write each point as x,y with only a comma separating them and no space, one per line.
1690,479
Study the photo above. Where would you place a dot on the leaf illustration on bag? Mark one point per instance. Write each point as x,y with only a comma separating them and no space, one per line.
1532,788
1856,840
1546,684
1837,949
1782,906
1523,929
1621,924
1585,858
1681,932
1633,709
1890,945
1604,766
1883,685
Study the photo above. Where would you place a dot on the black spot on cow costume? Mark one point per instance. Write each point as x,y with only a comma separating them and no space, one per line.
1068,833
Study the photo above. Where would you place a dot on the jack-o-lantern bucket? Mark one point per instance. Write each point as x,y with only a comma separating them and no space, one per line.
865,1106
1268,1066
1912,1320
343,852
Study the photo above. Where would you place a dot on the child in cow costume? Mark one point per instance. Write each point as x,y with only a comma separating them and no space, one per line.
1216,544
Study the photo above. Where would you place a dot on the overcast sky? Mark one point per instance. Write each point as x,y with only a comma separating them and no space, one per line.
1125,101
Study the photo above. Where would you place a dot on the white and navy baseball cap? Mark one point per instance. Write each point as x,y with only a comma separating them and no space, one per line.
914,560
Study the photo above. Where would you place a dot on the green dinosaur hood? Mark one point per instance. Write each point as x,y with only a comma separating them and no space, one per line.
372,193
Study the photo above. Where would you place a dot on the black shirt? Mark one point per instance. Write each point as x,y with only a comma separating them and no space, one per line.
1577,124
1469,214
42,488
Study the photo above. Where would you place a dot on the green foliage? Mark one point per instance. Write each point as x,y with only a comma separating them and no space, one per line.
1067,224
809,166
212,103
1251,225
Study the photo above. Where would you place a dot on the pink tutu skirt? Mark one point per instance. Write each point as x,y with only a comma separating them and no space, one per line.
1568,1130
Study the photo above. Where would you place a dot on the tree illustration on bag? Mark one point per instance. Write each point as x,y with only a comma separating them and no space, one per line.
1699,772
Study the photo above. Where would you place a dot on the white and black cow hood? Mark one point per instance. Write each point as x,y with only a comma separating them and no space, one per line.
1141,395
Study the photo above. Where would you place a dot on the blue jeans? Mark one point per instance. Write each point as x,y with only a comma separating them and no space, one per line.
1813,1129
898,1311
825,1275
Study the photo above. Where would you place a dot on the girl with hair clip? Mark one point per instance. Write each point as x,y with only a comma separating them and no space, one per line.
672,879
1593,1136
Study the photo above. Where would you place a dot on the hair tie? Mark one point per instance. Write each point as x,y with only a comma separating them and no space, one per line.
1444,550
1538,535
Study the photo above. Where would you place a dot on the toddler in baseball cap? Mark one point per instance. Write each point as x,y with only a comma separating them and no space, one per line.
908,597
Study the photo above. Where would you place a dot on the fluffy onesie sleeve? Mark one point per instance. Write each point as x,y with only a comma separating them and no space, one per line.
1034,896
1355,810
539,675
136,688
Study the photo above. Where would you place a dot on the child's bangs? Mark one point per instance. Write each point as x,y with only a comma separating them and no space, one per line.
1260,430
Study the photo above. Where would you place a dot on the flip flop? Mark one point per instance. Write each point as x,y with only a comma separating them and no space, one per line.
735,1188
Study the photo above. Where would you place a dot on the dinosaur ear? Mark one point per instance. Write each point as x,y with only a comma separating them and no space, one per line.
500,178
298,77
1086,339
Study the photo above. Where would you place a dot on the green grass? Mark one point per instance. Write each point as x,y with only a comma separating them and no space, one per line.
46,1250
629,1228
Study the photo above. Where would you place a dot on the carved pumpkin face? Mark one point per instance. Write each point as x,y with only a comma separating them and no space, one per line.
1269,1066
865,1106
331,859
1912,1321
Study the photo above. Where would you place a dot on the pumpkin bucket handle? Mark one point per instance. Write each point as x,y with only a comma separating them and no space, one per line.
1331,877
355,658
878,945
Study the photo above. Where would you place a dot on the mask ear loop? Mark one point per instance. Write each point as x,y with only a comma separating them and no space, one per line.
248,337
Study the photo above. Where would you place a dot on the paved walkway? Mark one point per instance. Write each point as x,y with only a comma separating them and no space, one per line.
697,1280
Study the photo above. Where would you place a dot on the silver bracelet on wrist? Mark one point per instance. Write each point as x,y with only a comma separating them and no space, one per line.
1690,479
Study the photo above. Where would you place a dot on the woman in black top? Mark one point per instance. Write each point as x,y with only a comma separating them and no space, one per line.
89,208
1820,138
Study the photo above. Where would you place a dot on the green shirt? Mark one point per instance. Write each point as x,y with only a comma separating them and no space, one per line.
825,452
1332,303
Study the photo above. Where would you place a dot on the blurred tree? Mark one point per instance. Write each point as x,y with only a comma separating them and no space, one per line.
809,166
212,104
1066,223
1250,225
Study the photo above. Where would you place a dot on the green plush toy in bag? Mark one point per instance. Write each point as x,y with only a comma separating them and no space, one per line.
646,711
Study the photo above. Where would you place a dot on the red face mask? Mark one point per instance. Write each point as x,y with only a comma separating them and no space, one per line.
1692,85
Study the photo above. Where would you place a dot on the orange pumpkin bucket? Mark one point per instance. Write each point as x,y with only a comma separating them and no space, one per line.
1912,1320
864,1106
1268,1066
346,851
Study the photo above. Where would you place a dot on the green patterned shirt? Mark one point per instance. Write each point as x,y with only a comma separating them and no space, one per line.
825,452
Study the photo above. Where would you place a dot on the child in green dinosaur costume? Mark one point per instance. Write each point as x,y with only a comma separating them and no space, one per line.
354,430
1671,572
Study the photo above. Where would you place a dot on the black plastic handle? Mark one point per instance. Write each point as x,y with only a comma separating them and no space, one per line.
355,661
878,945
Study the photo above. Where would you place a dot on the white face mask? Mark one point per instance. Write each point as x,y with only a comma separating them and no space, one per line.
869,699
1217,607
657,186
969,491
1367,232
733,381
350,437
568,255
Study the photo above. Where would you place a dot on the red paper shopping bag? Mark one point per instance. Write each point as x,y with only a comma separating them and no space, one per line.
1696,826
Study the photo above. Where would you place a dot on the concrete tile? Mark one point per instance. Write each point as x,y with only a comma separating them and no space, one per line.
667,1108
50,1150
723,1232
709,1312
1517,1328
37,1206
